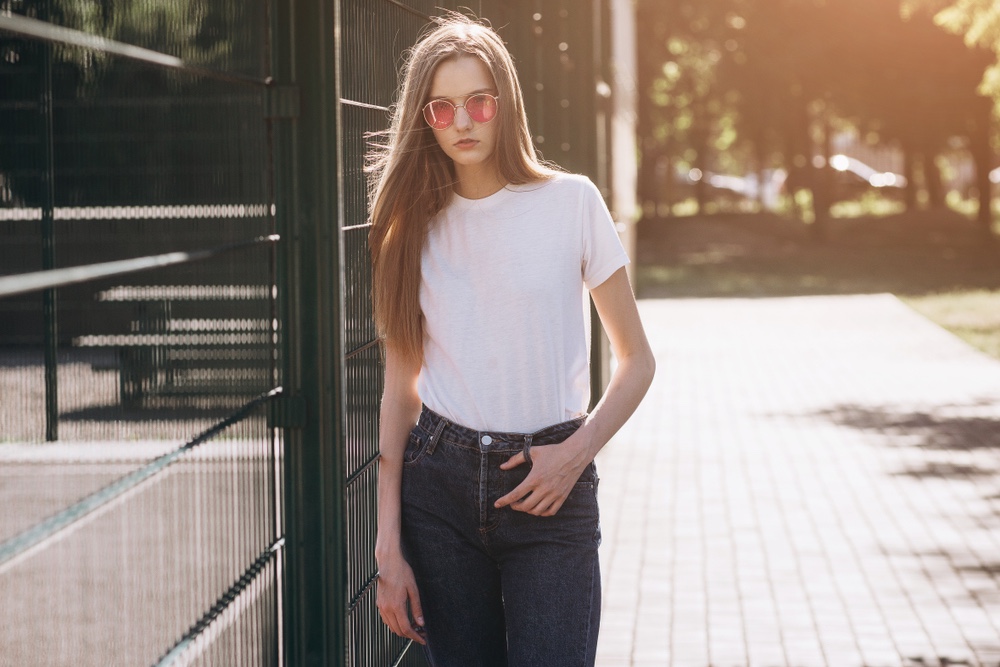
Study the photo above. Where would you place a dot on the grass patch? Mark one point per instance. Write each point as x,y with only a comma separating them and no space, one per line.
973,315
869,205
938,262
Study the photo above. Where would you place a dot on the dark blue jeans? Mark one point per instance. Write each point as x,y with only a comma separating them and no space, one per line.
498,587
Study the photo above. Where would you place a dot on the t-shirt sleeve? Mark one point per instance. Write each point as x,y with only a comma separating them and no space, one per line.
603,253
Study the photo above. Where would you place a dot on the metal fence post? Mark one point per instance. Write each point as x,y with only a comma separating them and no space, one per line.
307,199
49,296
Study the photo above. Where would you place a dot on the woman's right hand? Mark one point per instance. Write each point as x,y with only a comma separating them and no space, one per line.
396,594
397,598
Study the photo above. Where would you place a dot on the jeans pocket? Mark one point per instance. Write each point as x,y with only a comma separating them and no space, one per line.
588,479
584,493
416,446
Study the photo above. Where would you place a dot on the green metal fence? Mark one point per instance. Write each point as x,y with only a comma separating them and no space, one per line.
140,476
189,377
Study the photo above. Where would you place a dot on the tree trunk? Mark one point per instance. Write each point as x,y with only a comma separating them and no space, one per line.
760,159
810,173
982,156
793,181
932,180
700,193
909,172
822,187
648,162
668,180
699,135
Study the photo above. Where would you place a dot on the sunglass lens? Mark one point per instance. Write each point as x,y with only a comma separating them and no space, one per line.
439,114
481,108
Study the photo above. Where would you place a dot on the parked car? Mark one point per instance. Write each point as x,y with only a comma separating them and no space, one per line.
877,179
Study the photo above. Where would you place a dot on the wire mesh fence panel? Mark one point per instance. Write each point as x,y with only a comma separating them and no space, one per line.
137,457
374,37
143,161
555,45
124,582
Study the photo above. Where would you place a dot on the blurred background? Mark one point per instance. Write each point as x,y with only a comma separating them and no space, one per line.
816,109
822,146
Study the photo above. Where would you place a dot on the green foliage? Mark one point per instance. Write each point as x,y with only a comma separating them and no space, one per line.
978,22
871,204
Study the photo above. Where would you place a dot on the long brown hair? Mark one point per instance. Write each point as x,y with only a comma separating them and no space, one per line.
412,177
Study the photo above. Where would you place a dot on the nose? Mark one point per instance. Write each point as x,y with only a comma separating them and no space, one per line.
462,119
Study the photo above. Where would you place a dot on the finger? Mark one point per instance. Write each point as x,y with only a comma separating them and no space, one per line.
542,508
519,492
411,633
416,610
392,613
539,504
529,504
401,626
389,618
513,461
399,622
554,507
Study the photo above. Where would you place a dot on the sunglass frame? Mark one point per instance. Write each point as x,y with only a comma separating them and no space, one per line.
456,107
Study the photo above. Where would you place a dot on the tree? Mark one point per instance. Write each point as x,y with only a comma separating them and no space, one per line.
978,22
683,118
750,84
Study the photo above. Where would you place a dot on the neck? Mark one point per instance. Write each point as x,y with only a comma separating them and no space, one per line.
477,181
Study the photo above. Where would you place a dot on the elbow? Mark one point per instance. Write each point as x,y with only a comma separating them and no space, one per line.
644,367
637,367
648,366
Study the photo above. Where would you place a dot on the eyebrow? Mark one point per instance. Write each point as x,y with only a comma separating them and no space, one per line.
491,91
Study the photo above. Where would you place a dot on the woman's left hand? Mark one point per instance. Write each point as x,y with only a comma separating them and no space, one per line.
556,468
554,471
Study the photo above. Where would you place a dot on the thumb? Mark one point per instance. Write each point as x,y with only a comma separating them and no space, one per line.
513,461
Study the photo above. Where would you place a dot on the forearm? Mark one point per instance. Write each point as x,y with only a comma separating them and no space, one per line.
636,364
398,413
389,508
628,385
396,423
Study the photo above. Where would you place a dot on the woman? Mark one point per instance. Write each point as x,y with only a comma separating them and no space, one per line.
488,524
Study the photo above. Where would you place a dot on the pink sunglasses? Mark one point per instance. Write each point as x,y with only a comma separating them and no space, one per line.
481,107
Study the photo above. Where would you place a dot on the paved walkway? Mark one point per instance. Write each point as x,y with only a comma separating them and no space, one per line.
811,481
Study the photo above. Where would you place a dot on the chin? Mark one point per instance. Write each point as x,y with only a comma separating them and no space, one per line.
467,162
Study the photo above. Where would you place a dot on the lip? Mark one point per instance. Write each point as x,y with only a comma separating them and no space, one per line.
466,143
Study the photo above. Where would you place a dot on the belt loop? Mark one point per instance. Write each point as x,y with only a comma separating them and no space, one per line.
527,449
436,436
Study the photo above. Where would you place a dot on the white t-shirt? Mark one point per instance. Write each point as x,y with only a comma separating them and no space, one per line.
503,278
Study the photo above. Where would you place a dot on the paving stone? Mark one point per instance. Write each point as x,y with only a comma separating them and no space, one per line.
810,481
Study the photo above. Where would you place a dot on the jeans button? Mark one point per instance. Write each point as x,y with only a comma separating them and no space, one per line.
486,440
